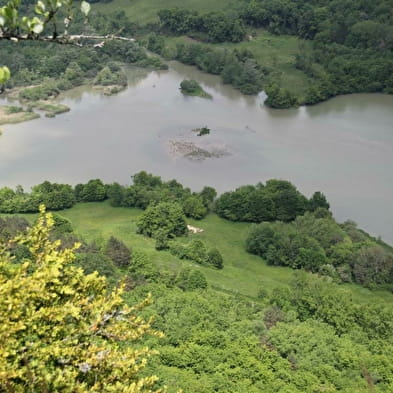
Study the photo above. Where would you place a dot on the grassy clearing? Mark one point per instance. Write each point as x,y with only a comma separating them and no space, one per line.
243,273
145,11
277,53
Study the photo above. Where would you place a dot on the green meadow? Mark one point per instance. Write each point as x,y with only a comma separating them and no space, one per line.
243,273
145,11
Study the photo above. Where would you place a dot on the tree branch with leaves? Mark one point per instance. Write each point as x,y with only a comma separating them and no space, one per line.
48,21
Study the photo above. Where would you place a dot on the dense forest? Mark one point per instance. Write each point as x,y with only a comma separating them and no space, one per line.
351,51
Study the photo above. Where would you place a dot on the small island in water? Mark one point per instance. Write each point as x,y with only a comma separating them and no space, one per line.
192,88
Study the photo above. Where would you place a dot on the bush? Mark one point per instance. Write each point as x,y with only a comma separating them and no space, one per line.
107,77
197,251
197,280
165,216
44,91
193,207
190,86
188,279
277,200
96,262
93,191
61,225
215,258
280,98
11,226
118,252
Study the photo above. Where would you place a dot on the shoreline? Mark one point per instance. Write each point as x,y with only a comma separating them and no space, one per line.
16,110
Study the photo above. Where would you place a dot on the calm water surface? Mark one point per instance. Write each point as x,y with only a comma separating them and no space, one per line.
343,147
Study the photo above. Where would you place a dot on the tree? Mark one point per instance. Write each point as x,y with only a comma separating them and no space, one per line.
208,194
215,258
372,264
194,207
196,280
55,196
47,20
115,194
318,200
118,252
288,201
165,216
93,191
280,98
62,330
74,74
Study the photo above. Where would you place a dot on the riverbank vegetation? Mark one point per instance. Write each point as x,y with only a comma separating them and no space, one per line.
15,114
292,230
193,88
51,109
41,71
297,53
334,49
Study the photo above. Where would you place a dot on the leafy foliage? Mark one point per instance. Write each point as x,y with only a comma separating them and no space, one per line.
93,191
62,329
280,98
214,27
319,244
237,68
111,76
193,88
310,336
352,44
166,217
149,189
197,251
277,200
118,252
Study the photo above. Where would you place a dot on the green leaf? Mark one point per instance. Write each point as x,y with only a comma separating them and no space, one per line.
40,8
85,8
5,74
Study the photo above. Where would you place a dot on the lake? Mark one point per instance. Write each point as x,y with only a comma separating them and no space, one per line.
342,147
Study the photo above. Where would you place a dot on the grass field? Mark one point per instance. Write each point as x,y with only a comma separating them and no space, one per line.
145,11
276,52
243,273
